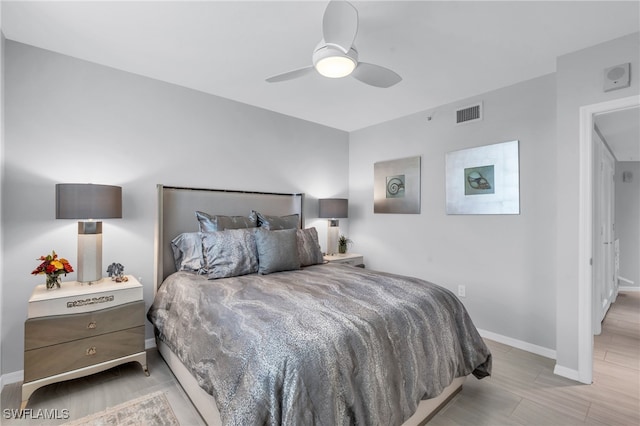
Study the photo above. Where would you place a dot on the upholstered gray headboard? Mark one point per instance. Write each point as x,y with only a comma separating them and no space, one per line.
177,207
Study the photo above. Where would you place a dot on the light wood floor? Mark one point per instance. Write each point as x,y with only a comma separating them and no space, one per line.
522,390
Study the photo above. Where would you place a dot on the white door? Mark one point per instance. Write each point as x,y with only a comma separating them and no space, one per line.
604,282
608,228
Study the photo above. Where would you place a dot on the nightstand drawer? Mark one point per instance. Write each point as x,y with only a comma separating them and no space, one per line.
47,331
76,298
58,359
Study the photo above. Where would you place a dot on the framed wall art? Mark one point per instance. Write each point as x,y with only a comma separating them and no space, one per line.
396,187
484,180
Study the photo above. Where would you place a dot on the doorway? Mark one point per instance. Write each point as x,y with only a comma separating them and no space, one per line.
586,234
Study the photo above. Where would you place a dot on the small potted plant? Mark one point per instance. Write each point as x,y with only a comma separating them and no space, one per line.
343,243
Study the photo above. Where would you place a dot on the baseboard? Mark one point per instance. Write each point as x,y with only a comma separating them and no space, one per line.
628,288
625,280
149,344
568,373
538,350
9,378
525,346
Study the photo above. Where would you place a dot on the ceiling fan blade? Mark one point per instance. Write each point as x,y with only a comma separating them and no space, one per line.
290,75
340,24
375,75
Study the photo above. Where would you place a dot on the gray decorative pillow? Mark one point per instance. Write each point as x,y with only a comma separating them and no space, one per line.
273,223
309,250
213,223
277,250
229,253
187,252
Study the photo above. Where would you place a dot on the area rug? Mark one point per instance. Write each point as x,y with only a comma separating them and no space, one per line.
148,410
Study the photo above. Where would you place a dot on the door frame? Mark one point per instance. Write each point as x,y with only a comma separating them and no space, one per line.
585,231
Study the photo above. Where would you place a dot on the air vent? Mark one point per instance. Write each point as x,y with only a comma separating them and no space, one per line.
469,113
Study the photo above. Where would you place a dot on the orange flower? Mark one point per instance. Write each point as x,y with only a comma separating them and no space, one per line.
51,265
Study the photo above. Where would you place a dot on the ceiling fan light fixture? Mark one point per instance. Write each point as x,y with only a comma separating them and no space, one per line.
335,66
335,56
331,62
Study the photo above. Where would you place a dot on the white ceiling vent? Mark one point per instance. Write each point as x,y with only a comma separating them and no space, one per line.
469,113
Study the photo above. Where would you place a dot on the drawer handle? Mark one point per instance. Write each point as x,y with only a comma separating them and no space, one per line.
91,351
91,325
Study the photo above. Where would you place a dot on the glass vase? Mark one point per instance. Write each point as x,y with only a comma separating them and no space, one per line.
53,281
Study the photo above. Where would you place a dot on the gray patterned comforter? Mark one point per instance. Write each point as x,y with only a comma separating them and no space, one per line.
326,345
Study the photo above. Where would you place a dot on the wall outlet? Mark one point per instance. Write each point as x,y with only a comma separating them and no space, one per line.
462,291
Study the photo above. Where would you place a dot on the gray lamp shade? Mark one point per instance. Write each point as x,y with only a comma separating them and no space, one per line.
88,201
333,208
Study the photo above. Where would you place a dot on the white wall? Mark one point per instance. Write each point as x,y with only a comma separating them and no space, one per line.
2,42
68,120
579,83
627,222
506,262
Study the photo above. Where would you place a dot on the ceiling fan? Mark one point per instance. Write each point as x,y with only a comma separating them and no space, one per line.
336,56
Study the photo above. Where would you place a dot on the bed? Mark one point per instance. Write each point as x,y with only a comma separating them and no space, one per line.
297,341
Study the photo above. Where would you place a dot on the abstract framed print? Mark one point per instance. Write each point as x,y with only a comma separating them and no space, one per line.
484,180
396,187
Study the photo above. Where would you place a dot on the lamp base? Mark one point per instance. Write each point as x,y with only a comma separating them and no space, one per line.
333,232
89,252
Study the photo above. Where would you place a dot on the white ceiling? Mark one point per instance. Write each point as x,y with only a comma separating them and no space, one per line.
445,51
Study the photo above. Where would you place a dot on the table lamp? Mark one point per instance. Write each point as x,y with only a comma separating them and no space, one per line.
333,208
88,202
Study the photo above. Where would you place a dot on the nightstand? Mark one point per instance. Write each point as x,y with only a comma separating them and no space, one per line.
81,329
346,258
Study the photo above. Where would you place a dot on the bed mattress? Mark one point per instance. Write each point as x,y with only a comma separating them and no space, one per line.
326,344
